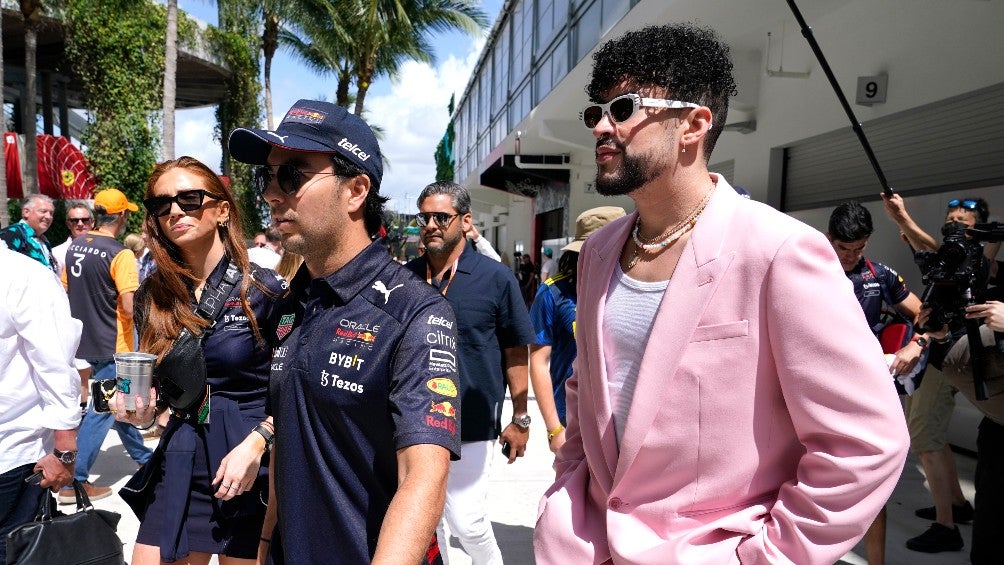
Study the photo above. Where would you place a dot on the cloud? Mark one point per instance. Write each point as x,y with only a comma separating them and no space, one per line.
193,136
412,112
414,116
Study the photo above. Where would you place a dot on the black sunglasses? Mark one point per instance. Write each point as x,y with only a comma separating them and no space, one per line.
442,219
188,201
290,178
80,220
967,204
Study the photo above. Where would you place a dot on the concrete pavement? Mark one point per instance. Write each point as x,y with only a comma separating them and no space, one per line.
516,490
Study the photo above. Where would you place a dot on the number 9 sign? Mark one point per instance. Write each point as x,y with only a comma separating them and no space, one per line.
872,90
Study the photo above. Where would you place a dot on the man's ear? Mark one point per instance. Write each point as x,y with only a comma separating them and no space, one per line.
359,188
698,124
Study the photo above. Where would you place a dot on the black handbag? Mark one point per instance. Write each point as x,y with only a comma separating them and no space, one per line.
87,536
181,373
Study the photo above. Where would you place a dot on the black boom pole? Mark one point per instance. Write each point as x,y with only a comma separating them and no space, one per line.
855,125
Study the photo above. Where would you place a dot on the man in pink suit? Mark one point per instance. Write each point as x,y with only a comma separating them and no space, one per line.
729,402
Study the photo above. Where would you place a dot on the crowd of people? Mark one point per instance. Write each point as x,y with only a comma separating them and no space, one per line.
308,382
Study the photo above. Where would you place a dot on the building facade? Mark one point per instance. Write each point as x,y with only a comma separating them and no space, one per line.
924,78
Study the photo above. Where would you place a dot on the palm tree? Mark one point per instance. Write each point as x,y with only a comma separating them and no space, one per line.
386,32
170,74
31,10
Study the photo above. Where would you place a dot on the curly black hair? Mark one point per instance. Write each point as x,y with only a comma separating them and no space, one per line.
691,62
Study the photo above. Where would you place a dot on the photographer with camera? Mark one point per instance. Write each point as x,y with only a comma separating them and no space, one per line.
958,367
962,287
930,408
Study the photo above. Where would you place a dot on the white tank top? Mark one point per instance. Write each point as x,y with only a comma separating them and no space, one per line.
627,321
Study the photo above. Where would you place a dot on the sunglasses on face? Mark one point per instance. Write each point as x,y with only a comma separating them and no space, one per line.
80,220
621,109
966,204
289,178
188,201
442,219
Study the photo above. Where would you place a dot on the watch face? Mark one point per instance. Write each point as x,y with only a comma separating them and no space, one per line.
523,421
65,457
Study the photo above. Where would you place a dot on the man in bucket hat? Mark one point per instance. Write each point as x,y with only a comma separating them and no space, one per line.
553,316
361,401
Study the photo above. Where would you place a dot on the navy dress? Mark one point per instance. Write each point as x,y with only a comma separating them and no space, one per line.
179,512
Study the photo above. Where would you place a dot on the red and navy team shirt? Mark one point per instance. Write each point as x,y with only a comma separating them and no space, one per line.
364,364
875,283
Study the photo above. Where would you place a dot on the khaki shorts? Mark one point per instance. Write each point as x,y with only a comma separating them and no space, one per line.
929,412
958,370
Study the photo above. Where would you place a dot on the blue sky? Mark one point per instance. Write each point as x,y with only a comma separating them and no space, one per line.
412,110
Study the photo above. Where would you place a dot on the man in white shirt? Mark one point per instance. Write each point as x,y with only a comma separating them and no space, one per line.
40,405
267,248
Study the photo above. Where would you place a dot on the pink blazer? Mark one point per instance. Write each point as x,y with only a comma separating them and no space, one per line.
764,426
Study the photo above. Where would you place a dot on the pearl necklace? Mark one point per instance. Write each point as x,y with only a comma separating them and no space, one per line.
669,237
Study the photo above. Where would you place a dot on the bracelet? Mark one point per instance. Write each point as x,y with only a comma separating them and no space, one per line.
148,426
554,432
267,435
266,540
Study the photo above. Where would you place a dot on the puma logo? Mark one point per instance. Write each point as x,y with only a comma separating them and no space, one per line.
382,288
282,138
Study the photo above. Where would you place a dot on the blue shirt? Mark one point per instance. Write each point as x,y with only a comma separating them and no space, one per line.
553,315
491,316
356,376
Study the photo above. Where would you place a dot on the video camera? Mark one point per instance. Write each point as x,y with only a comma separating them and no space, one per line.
954,277
956,273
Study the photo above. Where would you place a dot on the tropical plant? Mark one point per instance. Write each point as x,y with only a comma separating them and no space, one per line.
387,32
117,48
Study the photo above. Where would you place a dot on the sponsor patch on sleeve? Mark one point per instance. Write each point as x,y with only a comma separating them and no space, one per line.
444,386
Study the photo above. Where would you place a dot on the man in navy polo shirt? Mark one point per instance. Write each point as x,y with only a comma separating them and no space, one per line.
366,407
493,332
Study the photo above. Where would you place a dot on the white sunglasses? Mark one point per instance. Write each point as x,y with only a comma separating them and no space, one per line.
624,106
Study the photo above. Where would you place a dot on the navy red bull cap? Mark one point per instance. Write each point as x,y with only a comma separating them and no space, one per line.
313,126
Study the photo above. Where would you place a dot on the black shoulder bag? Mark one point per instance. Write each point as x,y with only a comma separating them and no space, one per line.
181,373
87,536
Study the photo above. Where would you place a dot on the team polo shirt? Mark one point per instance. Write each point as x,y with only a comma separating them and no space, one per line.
491,316
363,365
553,316
875,285
99,269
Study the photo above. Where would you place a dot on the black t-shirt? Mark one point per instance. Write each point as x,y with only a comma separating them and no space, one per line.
355,378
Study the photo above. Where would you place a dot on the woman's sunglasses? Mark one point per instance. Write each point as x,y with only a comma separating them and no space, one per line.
188,201
289,178
624,106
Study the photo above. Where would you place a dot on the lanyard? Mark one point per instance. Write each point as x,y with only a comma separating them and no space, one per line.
453,273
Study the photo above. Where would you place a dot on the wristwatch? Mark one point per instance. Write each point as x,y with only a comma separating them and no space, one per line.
65,457
522,421
923,342
266,434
